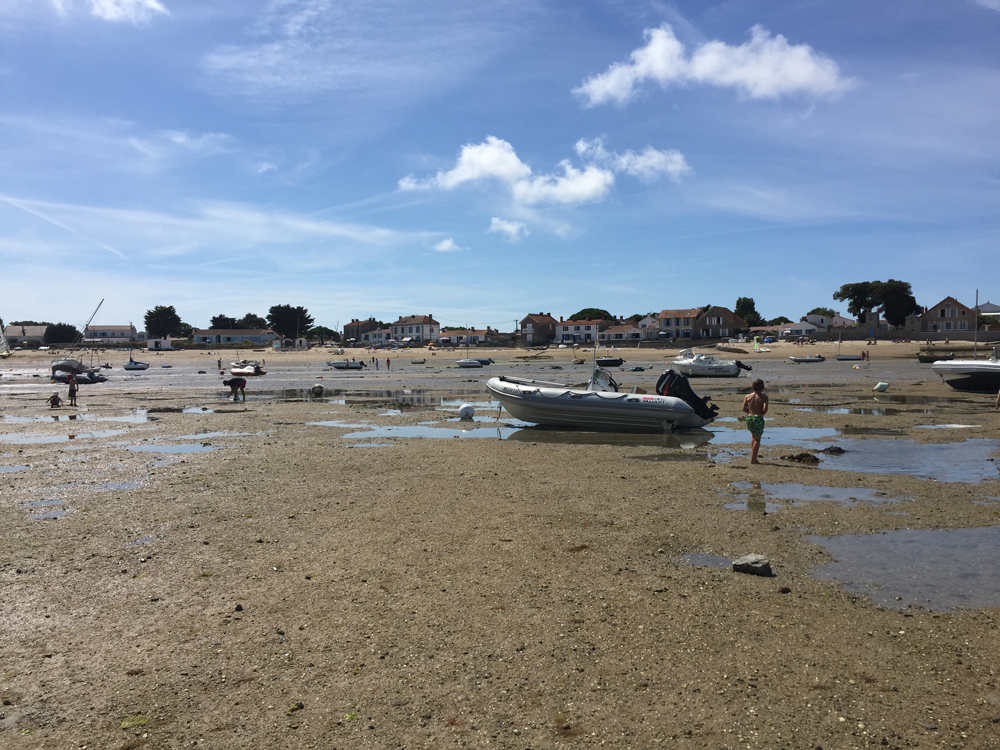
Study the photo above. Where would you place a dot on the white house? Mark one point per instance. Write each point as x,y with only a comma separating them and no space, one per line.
231,336
109,334
377,337
579,331
415,329
825,322
20,334
613,334
802,328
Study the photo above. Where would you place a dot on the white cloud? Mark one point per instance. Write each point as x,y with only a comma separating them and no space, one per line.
515,230
135,11
206,144
991,4
648,165
765,67
495,159
447,246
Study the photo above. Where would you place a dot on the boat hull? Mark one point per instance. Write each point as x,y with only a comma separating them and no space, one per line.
247,372
978,376
597,410
468,363
707,371
346,365
848,358
807,360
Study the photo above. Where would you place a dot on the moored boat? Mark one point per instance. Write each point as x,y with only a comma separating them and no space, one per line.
610,361
707,365
600,406
977,375
134,365
346,364
248,370
471,362
808,360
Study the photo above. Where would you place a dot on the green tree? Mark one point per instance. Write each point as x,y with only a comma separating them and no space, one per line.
747,309
28,323
223,321
288,321
61,333
862,297
163,321
323,334
592,313
779,321
251,322
826,312
896,301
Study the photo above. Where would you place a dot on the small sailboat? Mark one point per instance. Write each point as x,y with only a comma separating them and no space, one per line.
134,365
846,357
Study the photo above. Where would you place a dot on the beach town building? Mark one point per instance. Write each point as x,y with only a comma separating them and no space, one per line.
580,331
414,329
377,337
620,333
825,322
679,324
231,336
468,337
17,334
356,329
538,328
109,334
802,328
948,315
719,323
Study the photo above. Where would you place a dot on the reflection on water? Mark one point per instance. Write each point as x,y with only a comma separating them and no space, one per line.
965,461
681,440
33,439
936,569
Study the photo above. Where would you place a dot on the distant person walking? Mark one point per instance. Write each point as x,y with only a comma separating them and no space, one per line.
387,364
73,386
236,386
755,407
220,363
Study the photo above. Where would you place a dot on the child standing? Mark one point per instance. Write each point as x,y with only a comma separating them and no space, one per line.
755,407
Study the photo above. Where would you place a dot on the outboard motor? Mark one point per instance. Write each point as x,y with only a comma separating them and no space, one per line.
742,366
673,383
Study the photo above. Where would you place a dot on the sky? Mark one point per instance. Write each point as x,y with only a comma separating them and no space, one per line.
482,161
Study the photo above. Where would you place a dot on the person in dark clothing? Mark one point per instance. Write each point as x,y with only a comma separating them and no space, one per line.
236,386
73,386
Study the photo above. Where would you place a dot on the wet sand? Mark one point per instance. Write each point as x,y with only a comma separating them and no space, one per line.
235,575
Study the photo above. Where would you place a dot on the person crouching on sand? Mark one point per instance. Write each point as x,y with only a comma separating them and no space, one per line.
54,401
755,407
236,387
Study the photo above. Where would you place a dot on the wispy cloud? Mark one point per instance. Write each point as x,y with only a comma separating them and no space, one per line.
765,67
991,4
514,230
447,246
298,48
495,159
131,11
647,165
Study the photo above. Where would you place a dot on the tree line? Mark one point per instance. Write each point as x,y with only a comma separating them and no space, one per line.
285,320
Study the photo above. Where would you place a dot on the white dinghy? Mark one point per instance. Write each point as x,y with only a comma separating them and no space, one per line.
600,406
707,365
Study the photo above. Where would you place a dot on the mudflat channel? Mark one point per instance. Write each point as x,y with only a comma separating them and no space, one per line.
301,571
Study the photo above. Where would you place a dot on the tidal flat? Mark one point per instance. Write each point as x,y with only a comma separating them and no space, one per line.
326,571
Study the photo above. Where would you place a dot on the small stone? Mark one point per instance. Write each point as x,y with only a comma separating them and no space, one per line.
785,590
239,607
753,564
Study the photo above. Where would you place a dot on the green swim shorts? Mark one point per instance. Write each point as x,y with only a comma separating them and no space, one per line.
755,425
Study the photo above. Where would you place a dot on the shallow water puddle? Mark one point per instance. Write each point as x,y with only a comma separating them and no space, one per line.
799,493
201,435
702,560
945,426
58,509
965,461
142,540
32,439
936,569
5,469
171,448
872,412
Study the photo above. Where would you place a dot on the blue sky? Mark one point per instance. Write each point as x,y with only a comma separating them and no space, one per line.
480,163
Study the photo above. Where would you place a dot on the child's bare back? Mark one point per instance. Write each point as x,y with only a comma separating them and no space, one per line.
755,404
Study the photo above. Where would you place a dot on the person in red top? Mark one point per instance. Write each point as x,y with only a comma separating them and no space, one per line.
236,387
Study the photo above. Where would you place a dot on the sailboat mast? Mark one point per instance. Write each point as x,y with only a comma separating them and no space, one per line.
975,335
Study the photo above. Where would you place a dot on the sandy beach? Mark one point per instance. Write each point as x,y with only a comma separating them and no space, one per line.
362,570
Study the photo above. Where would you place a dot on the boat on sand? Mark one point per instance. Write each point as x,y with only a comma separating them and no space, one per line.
346,364
599,405
808,360
976,375
707,365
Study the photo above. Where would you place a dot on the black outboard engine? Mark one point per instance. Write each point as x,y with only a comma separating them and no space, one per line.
742,366
673,383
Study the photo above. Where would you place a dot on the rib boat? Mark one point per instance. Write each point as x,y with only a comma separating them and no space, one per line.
978,375
707,365
344,364
601,406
